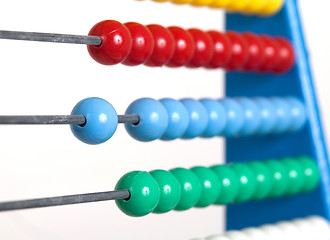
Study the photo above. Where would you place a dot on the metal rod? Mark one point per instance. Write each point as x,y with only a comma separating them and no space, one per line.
64,200
51,37
60,119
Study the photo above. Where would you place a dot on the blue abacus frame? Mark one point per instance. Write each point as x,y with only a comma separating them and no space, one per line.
310,141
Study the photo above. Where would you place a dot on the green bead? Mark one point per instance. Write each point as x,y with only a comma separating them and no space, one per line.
229,184
191,188
210,186
144,193
296,176
247,181
280,176
311,173
170,190
264,180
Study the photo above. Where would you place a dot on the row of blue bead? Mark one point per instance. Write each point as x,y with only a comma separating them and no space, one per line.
169,119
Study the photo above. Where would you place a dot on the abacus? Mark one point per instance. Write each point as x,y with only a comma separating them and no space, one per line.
269,105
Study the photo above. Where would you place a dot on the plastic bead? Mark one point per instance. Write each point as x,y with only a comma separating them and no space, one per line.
282,111
255,233
255,6
298,114
311,173
221,50
116,42
184,47
267,114
144,193
220,3
296,176
247,181
181,1
203,48
210,186
101,121
235,117
272,7
198,118
170,190
216,117
256,49
273,232
280,177
289,229
264,179
239,49
178,119
236,235
201,2
305,229
164,46
321,227
286,56
238,5
191,188
217,237
272,57
153,119
252,116
229,184
142,44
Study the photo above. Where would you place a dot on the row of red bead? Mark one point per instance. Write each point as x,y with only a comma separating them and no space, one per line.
154,45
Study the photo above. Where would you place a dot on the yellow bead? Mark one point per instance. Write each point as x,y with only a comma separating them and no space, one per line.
272,7
159,0
220,3
181,1
255,6
238,5
201,2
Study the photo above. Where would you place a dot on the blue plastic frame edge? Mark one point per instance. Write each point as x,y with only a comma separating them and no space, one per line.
309,141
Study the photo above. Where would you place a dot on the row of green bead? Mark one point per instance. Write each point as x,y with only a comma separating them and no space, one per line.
160,191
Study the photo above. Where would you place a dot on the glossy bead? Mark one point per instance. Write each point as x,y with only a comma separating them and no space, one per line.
153,119
164,46
255,6
217,237
191,188
321,227
216,117
272,58
239,50
198,118
210,186
144,193
170,190
229,184
181,1
237,235
101,120
256,49
238,5
282,111
267,114
289,229
184,47
142,44
286,56
280,177
235,117
252,116
298,113
116,42
305,229
201,2
311,173
178,119
272,231
203,48
221,50
296,176
247,182
220,3
255,233
272,7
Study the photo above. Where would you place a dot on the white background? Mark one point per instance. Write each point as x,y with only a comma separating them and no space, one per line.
46,78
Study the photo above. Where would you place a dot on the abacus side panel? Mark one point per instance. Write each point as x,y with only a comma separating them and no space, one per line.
309,141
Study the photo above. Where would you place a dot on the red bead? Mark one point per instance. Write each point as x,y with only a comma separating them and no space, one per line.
116,42
221,48
286,56
239,50
271,54
256,50
142,44
184,47
163,48
203,48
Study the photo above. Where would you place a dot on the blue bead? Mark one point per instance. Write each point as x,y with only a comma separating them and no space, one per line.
101,120
282,111
267,114
216,117
197,118
153,119
252,116
235,117
178,119
297,112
